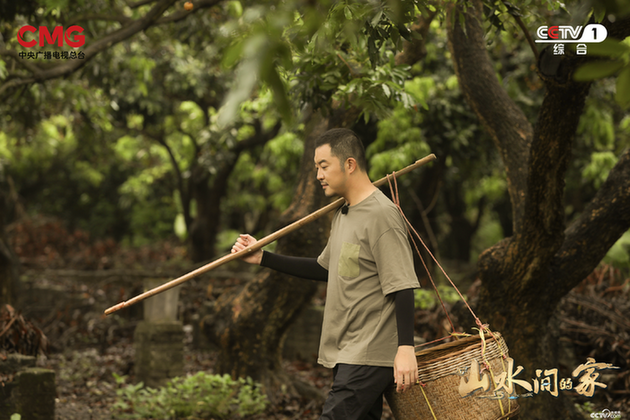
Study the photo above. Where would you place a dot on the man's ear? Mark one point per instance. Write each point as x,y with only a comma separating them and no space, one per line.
351,165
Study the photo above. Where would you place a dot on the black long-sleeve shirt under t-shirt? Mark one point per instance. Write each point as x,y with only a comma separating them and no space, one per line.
308,268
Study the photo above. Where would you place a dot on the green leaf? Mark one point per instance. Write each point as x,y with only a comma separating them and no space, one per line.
462,21
235,9
599,12
513,10
347,13
386,89
599,167
608,48
596,70
3,70
622,95
279,93
377,18
233,54
179,226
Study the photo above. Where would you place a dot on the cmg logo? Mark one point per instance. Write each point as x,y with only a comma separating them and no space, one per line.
58,36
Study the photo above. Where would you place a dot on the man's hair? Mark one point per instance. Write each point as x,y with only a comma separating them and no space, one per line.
344,144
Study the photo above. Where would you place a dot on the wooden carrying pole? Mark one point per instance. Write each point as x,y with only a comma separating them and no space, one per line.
258,245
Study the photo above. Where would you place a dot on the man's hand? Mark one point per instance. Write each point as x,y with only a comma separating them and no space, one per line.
405,368
244,241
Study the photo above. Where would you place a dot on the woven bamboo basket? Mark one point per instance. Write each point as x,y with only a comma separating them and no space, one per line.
440,370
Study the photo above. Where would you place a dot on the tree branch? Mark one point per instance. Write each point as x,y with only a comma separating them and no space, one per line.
549,156
139,3
184,195
543,216
26,64
503,119
598,227
259,138
530,41
415,50
93,49
123,20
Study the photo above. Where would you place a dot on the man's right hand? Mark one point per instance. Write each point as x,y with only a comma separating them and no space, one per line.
244,241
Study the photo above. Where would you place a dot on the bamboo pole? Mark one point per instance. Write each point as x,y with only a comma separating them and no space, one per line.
258,245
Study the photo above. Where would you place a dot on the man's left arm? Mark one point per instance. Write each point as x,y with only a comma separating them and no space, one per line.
405,363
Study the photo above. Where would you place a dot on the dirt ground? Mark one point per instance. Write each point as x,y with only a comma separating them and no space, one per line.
86,389
86,348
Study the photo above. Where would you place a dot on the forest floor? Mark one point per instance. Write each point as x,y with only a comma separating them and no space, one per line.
86,388
86,348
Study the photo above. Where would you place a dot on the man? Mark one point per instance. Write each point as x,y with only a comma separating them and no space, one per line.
367,332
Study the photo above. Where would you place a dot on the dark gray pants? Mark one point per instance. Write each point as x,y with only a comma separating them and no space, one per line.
357,392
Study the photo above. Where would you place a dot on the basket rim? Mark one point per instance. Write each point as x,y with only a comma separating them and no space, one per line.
465,343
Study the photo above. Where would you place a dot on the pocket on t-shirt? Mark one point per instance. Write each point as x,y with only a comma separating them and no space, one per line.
349,260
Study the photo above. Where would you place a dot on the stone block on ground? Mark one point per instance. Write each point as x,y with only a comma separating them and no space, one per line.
159,352
31,394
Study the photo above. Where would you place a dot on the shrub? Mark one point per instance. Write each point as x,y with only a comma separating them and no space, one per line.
200,395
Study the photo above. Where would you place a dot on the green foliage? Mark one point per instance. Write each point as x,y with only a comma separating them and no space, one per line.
619,254
64,167
258,51
3,70
501,15
616,60
427,298
344,52
587,407
146,195
614,54
445,126
603,133
200,395
264,183
601,137
488,234
352,71
398,144
88,147
598,126
613,8
600,165
492,186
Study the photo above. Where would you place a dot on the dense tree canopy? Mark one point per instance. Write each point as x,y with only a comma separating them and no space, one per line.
194,125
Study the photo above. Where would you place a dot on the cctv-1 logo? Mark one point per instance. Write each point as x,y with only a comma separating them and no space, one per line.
593,32
58,36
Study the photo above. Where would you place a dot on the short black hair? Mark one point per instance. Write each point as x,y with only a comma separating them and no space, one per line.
344,144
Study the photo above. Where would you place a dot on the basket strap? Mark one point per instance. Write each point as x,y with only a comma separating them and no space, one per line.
395,198
427,401
482,327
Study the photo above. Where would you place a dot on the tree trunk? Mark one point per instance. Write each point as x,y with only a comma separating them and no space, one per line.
9,265
8,271
208,194
524,276
249,326
462,230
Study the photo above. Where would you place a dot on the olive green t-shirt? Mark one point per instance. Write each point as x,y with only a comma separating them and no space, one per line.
367,257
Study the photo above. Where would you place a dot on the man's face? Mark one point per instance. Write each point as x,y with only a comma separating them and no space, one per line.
329,171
